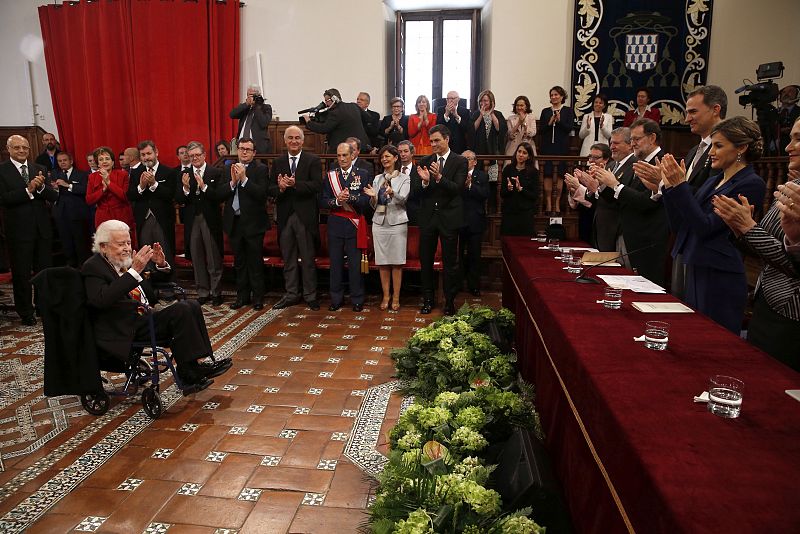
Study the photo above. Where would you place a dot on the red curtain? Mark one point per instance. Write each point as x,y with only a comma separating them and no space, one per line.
121,71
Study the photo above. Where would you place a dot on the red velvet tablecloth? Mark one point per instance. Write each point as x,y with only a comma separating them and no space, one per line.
633,452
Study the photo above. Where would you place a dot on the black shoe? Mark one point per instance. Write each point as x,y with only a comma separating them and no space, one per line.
427,307
189,389
449,308
313,304
239,303
475,292
358,307
259,305
285,302
203,300
29,320
334,307
217,368
217,301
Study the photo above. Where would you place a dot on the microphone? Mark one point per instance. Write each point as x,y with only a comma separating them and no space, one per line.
743,88
583,279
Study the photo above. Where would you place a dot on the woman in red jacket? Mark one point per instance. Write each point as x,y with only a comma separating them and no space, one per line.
108,190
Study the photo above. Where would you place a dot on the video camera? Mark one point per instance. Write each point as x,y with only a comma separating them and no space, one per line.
317,112
762,96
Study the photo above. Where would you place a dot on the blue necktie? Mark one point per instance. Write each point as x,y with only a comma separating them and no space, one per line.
293,167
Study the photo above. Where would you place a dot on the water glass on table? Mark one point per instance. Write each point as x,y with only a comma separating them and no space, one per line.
541,236
656,335
725,396
574,265
566,255
552,244
612,298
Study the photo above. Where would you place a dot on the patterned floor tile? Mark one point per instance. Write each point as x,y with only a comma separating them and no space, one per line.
190,488
313,499
250,494
270,461
130,484
90,524
216,456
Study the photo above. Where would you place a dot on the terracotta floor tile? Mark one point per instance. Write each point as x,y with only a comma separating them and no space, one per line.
273,513
176,469
91,501
330,423
258,380
55,524
319,519
221,416
299,382
253,444
207,511
349,487
168,439
331,401
231,477
306,450
291,479
189,529
141,507
113,473
286,399
200,442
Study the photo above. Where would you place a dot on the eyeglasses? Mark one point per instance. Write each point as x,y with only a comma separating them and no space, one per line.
245,149
593,158
193,156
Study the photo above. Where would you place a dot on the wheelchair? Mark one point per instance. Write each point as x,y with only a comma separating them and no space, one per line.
143,368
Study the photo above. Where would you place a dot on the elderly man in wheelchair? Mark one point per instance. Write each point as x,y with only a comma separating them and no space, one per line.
119,295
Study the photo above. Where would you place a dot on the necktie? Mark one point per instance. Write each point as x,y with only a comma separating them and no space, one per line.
198,176
404,170
235,203
246,127
23,169
293,166
697,156
441,165
616,168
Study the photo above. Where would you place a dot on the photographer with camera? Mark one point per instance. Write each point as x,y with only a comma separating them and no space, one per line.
338,119
254,117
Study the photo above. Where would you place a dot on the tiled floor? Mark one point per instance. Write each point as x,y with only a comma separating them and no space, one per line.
260,451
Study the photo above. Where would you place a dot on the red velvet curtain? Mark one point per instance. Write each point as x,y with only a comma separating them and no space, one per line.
121,71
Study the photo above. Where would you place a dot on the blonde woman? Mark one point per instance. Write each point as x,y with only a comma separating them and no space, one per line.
419,125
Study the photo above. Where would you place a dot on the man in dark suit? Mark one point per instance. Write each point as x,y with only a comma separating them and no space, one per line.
643,220
456,118
339,120
47,158
441,215
244,190
199,191
607,227
116,293
254,117
358,162
372,123
184,167
407,166
152,191
476,191
295,183
705,108
343,194
24,193
71,213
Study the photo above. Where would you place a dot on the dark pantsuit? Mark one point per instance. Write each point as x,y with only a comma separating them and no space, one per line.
249,263
206,259
720,294
338,247
469,257
27,256
297,242
775,334
183,323
428,238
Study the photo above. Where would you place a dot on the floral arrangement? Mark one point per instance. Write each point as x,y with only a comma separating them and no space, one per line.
467,403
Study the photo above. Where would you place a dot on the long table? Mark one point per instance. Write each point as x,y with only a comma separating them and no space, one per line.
633,451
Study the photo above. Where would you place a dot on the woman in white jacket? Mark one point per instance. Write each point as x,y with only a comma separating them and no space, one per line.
596,126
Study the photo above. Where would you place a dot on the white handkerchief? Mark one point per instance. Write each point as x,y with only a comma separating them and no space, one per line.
703,397
640,338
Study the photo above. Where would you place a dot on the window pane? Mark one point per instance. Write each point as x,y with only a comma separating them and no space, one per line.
457,55
418,61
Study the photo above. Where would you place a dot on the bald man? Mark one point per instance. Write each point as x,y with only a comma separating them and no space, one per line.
24,190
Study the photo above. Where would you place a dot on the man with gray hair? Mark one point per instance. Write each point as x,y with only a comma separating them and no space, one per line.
254,116
202,217
118,291
295,185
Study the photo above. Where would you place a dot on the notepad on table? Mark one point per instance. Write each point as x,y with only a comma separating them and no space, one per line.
662,307
596,258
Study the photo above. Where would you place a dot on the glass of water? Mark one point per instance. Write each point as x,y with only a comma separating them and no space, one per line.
552,244
656,335
541,236
574,265
566,255
612,298
725,396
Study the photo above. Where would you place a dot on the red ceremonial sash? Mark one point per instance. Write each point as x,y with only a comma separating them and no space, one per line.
346,211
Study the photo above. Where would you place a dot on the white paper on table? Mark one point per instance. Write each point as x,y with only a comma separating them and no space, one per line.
662,307
636,283
794,393
585,249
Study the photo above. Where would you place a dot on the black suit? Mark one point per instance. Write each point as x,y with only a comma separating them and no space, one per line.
459,131
44,160
372,121
702,169
261,117
644,224
412,202
340,122
394,136
440,216
471,235
72,216
246,230
607,227
298,220
28,230
117,322
159,203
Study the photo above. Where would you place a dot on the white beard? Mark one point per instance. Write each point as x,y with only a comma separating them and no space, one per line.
121,266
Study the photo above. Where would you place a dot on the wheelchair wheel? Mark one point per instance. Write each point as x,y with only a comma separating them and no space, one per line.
96,403
151,402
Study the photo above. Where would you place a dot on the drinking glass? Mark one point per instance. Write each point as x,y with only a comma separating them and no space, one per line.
656,335
612,298
574,266
725,396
